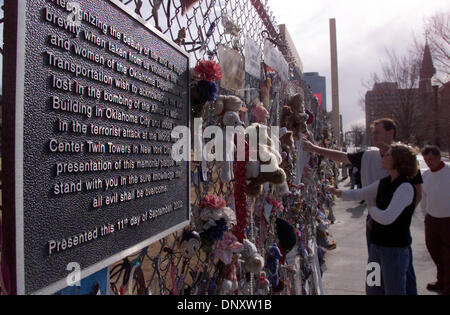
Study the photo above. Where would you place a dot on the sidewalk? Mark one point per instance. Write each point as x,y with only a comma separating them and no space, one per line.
346,265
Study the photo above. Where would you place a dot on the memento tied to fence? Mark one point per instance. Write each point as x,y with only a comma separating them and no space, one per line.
92,95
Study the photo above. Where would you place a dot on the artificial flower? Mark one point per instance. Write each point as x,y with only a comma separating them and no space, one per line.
227,247
209,70
209,90
210,215
216,232
213,201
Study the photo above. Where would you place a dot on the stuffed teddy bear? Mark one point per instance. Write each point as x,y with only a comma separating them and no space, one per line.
293,116
253,262
287,140
266,168
261,114
287,147
227,103
297,102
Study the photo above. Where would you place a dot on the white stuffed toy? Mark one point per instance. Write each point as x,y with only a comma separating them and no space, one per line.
230,119
266,167
253,262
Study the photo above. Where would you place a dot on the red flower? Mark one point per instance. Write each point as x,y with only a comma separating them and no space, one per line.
209,70
213,201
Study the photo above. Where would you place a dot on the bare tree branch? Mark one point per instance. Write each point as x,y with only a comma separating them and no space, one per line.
437,34
357,133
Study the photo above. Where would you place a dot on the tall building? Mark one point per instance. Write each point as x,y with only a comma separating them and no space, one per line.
444,116
380,101
318,85
421,113
427,71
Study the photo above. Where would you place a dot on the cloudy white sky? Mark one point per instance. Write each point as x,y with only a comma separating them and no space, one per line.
365,29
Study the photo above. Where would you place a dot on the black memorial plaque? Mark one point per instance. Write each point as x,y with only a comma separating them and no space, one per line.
101,95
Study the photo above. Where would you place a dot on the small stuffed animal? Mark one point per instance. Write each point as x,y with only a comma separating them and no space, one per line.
190,243
297,102
269,160
231,119
262,284
261,114
273,264
227,103
228,275
181,36
253,262
287,147
293,116
287,141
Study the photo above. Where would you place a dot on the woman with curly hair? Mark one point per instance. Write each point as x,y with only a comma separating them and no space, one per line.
394,198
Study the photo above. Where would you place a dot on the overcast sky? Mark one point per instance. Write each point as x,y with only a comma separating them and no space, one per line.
365,29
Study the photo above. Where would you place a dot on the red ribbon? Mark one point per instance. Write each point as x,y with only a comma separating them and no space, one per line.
240,197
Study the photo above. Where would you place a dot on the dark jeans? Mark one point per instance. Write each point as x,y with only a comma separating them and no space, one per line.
394,264
437,239
411,282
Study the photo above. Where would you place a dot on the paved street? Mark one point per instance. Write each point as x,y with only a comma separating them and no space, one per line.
347,263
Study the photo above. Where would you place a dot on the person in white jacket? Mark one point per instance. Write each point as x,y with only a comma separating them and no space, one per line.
392,201
436,207
369,162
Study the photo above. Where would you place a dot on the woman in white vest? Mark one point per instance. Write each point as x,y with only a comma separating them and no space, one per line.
369,163
393,203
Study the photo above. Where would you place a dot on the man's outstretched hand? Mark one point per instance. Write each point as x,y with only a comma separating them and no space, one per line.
307,145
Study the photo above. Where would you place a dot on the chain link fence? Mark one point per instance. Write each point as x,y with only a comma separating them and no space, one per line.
201,30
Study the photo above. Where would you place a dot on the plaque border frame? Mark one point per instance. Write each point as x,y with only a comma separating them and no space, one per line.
12,145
